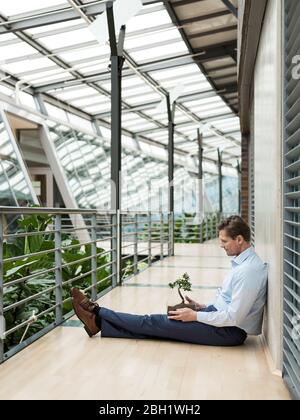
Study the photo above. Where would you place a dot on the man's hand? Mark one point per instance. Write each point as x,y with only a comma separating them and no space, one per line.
183,314
198,306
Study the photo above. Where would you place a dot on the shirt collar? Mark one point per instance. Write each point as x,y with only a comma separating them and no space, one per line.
242,256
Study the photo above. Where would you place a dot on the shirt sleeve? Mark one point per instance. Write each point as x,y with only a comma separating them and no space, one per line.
244,294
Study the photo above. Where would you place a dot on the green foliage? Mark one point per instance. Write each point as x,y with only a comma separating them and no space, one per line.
183,283
186,231
43,267
128,267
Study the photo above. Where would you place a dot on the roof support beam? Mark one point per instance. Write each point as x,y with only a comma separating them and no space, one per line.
213,32
186,124
211,53
185,2
230,7
226,48
203,17
196,96
63,14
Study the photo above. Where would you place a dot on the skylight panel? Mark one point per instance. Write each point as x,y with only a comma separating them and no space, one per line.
186,80
41,64
151,38
68,39
67,25
177,71
130,81
40,79
143,90
153,53
207,107
99,66
84,53
214,112
79,91
141,127
16,50
141,99
146,21
15,7
215,100
7,37
98,99
97,108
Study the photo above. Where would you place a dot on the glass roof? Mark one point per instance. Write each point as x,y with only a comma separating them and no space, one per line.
64,60
15,7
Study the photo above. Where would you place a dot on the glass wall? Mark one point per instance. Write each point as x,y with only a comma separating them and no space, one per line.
145,182
14,189
230,193
86,162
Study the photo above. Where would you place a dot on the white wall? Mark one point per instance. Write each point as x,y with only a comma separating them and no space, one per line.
268,190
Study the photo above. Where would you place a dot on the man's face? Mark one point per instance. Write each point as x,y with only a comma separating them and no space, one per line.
231,246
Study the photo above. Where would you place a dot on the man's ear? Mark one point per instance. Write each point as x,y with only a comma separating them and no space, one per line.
240,239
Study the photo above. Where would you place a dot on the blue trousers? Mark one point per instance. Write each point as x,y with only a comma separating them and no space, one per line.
123,325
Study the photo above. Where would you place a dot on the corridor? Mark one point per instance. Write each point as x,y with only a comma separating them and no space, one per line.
67,364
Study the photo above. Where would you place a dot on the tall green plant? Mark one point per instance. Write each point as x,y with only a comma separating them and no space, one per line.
20,289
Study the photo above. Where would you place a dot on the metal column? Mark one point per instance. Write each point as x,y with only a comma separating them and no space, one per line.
238,168
220,182
41,104
117,61
200,180
171,125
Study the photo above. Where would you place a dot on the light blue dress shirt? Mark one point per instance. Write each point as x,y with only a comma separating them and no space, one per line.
241,300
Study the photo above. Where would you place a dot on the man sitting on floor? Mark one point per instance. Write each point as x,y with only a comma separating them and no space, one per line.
236,311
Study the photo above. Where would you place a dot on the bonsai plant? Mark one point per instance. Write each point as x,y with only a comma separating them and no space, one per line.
183,283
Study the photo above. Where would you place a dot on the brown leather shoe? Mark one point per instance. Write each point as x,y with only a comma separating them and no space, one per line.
84,309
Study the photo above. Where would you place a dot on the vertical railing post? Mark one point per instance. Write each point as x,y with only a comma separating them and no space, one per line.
201,230
171,235
161,234
135,257
2,319
149,238
119,247
58,271
114,247
94,256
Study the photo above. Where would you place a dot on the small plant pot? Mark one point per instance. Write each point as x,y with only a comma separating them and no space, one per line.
181,305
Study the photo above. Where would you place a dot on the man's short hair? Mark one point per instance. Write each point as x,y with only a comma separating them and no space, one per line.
234,226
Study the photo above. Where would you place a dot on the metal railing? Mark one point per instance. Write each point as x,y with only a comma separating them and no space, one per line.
145,239
44,252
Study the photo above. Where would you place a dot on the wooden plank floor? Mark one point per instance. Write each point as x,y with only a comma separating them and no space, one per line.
67,364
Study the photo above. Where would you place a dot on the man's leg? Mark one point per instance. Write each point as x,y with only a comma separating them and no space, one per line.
123,325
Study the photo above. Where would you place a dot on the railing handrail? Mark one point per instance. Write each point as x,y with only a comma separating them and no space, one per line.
58,210
51,210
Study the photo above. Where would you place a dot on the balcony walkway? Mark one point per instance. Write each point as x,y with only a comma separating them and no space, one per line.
67,364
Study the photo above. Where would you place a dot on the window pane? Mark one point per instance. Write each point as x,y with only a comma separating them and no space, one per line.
14,190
